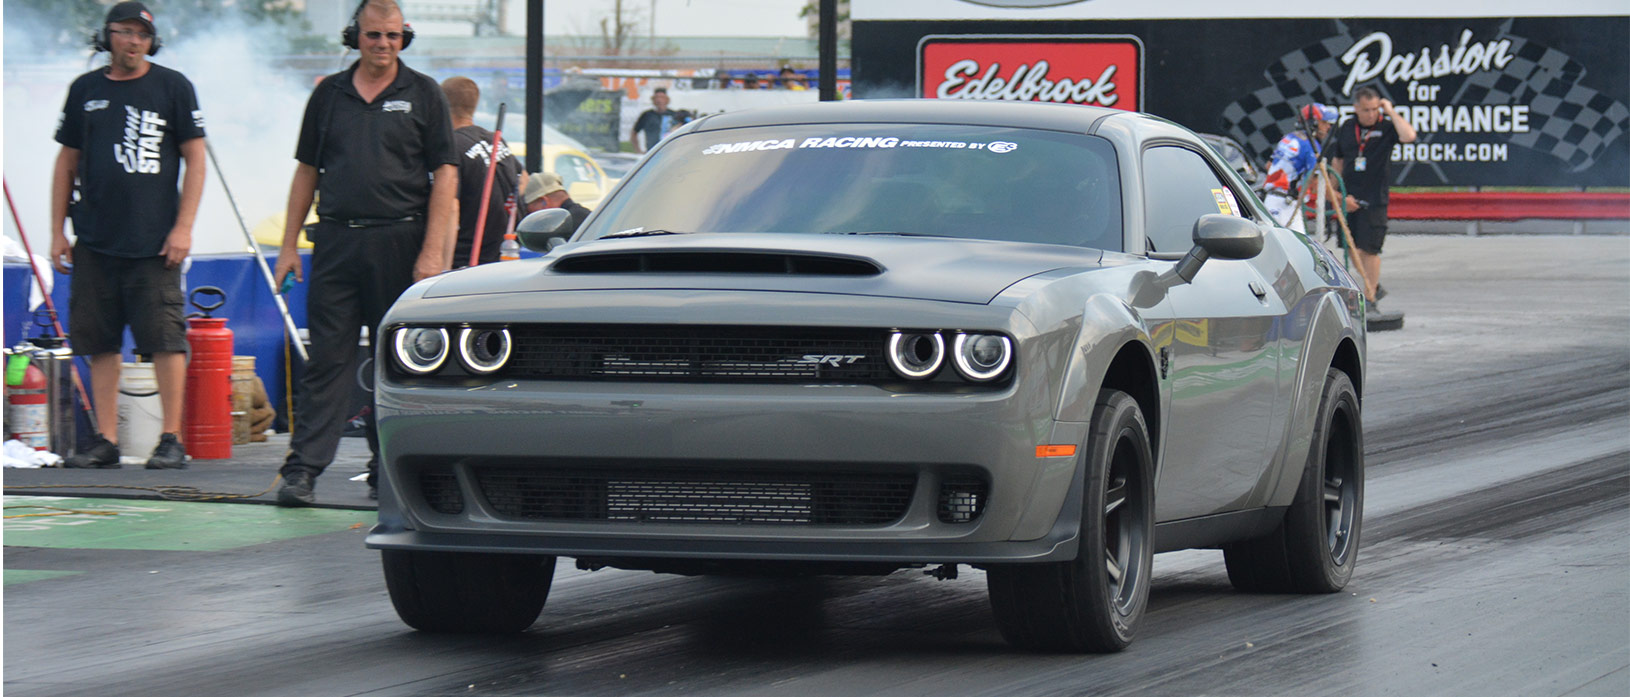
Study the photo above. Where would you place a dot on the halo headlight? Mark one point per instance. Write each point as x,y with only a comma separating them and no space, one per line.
916,355
981,357
483,350
420,350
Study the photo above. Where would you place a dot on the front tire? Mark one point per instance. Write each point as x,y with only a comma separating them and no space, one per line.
1094,602
1315,547
467,592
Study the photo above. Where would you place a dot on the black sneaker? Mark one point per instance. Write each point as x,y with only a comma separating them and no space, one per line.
102,455
373,478
1380,292
297,489
169,455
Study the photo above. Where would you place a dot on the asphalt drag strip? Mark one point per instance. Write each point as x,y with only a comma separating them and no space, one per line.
1493,561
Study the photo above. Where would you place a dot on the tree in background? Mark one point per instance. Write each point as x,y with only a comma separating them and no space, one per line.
812,14
55,26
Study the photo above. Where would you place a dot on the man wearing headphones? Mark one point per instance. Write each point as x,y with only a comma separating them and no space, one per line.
376,148
125,131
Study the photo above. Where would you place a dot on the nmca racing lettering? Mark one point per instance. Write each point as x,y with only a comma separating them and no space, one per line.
1028,83
144,133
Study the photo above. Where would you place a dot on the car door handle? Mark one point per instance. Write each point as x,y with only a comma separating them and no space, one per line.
1258,290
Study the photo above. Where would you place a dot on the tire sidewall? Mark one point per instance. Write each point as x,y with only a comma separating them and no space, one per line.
1339,400
1121,422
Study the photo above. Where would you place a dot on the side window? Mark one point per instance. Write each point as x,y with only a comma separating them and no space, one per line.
1178,188
573,169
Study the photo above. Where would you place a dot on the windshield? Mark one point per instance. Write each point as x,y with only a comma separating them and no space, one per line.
976,182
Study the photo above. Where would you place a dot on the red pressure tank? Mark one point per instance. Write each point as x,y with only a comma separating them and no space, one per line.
207,415
26,414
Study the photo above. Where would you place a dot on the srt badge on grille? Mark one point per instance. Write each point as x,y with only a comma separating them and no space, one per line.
834,360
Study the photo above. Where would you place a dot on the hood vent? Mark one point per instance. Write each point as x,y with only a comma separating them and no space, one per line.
716,263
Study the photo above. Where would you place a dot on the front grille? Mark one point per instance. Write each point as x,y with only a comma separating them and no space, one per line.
962,498
698,353
441,492
718,496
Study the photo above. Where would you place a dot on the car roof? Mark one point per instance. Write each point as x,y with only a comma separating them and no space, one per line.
1056,117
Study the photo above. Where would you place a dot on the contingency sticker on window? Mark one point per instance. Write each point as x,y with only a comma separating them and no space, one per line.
1225,201
851,142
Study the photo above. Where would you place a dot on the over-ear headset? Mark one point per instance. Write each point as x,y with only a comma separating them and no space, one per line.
120,12
351,36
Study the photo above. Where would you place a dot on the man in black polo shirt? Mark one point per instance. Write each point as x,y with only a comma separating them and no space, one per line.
376,146
1363,156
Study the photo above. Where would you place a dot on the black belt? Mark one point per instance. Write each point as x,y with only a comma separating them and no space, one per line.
371,222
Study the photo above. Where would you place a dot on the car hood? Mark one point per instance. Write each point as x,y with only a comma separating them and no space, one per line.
927,268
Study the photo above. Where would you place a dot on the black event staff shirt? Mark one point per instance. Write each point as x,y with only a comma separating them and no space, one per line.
374,159
129,135
1372,184
474,144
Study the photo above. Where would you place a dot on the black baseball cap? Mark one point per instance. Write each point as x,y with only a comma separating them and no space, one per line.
130,9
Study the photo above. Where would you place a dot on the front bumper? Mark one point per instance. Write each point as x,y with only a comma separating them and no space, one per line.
1030,512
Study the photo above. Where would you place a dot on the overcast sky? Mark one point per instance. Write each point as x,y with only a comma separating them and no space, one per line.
679,17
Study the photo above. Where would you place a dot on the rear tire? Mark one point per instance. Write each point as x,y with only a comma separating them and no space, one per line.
1315,547
467,592
1094,602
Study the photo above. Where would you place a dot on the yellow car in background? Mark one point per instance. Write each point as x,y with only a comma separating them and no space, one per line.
582,176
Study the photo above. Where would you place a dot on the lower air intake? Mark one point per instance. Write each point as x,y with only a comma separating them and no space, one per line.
710,497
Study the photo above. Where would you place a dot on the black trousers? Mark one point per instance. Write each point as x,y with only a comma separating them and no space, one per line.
356,274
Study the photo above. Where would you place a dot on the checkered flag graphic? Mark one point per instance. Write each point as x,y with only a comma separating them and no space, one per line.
1311,74
1573,123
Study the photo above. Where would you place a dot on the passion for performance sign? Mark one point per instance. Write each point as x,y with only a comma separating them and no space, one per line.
1525,101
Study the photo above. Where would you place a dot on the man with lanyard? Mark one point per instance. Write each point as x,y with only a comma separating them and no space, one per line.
1363,154
376,146
1295,156
474,145
125,131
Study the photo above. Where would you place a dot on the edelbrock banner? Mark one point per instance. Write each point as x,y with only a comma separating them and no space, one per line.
1528,101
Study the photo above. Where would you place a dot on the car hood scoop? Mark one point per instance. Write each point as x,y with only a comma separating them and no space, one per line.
716,262
928,268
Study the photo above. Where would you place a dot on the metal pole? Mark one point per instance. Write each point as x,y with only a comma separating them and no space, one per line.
254,249
829,50
534,85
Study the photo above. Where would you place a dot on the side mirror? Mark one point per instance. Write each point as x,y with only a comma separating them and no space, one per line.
1221,236
544,230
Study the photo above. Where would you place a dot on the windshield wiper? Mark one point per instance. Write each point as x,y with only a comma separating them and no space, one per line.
640,232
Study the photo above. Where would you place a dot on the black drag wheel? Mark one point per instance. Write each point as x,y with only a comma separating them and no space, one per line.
1313,550
466,591
1093,603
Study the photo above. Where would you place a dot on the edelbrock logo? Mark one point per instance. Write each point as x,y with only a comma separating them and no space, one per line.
1102,70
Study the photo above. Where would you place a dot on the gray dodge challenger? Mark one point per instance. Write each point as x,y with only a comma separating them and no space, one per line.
1044,341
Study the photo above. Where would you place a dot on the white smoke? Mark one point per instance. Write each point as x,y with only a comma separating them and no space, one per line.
252,110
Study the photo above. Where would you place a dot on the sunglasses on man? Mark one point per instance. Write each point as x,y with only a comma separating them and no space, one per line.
377,35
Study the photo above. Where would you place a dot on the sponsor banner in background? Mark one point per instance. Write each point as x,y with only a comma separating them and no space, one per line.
1072,69
593,117
1512,101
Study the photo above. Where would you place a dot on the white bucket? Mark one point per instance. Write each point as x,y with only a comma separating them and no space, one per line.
141,416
